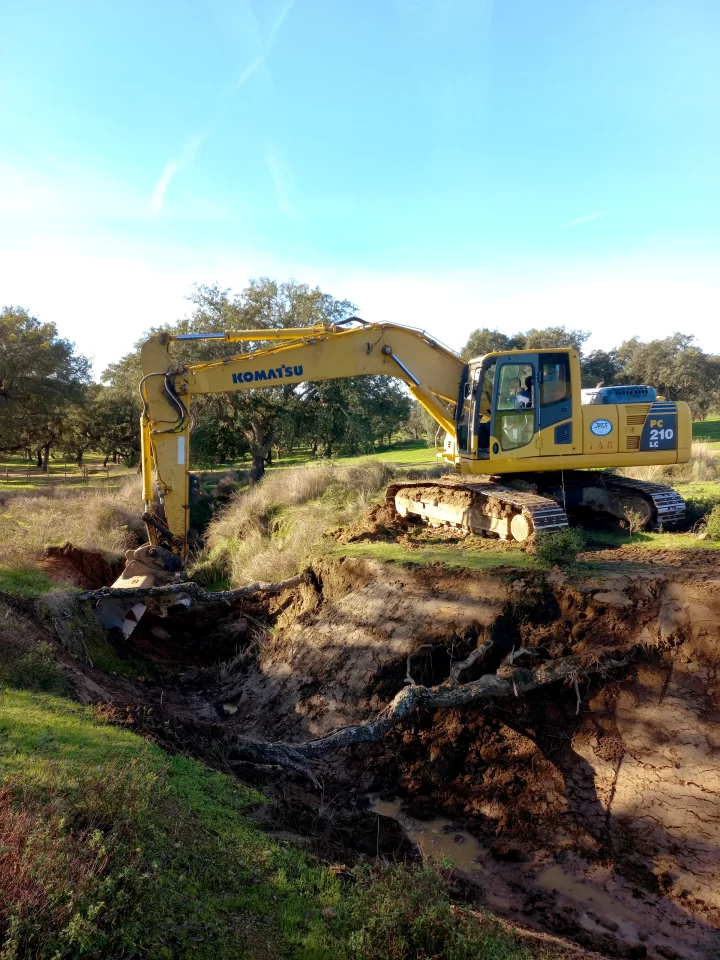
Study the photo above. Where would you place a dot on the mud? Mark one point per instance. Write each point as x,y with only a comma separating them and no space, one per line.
88,569
591,812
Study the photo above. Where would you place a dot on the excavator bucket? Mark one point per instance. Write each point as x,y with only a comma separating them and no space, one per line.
148,566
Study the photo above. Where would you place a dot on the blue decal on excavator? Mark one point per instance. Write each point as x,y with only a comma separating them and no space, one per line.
660,430
249,376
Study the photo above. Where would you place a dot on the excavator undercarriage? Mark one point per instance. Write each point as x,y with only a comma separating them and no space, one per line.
515,508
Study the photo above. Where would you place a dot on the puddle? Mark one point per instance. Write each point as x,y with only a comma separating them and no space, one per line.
593,902
438,839
593,906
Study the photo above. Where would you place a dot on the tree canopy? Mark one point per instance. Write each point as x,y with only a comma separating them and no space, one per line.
48,402
675,366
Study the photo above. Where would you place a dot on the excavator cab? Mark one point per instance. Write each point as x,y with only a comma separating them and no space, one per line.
510,402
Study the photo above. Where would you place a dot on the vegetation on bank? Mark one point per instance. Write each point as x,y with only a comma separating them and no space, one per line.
111,848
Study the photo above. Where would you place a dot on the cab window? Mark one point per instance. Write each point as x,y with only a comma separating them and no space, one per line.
515,417
516,387
555,385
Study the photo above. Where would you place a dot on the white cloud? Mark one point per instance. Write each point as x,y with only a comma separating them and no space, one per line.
283,181
174,166
249,71
276,26
158,195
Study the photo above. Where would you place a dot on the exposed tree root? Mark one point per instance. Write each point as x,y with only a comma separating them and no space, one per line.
508,681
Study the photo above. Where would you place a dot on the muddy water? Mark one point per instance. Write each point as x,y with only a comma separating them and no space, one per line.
598,904
438,839
592,902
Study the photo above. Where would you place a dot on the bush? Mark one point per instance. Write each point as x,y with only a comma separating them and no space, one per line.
403,911
712,527
699,505
268,532
37,670
561,548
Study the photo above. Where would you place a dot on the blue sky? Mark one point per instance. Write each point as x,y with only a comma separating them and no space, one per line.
445,164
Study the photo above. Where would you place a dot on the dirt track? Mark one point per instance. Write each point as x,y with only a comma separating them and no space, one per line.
602,825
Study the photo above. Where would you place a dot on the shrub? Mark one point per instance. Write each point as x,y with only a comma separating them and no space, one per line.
404,911
712,527
561,548
699,505
37,670
268,532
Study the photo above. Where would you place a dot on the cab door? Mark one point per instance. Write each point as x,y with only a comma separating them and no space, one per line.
515,407
555,397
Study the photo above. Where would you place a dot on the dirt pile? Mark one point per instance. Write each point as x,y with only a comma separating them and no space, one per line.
381,522
594,804
89,569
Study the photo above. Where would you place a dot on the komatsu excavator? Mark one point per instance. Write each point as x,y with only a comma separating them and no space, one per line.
526,442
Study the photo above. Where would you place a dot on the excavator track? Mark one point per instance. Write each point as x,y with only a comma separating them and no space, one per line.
480,506
485,506
660,506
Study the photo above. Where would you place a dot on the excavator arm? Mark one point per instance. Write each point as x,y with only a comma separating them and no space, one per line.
432,373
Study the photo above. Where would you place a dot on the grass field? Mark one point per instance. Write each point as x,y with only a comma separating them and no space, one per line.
17,473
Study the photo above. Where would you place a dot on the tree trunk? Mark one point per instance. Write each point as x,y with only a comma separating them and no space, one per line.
260,442
107,457
39,459
257,467
268,457
46,458
79,458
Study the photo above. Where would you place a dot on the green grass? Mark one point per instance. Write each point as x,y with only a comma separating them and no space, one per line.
17,473
706,429
496,554
24,581
651,541
403,454
209,882
111,848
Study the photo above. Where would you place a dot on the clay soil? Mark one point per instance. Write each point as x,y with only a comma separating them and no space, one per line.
596,808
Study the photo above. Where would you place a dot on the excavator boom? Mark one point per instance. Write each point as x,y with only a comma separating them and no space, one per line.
518,417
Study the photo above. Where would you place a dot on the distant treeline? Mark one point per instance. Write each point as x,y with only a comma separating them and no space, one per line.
49,404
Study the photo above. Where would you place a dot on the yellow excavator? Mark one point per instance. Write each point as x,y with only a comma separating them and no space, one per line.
526,442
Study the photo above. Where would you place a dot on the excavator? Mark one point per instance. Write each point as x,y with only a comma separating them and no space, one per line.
527,444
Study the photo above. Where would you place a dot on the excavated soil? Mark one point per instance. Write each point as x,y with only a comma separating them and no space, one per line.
89,569
592,810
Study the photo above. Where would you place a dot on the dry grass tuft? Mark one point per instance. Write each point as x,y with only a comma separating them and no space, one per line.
270,532
703,467
106,521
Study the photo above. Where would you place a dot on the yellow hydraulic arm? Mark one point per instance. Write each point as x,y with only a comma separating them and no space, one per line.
432,373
